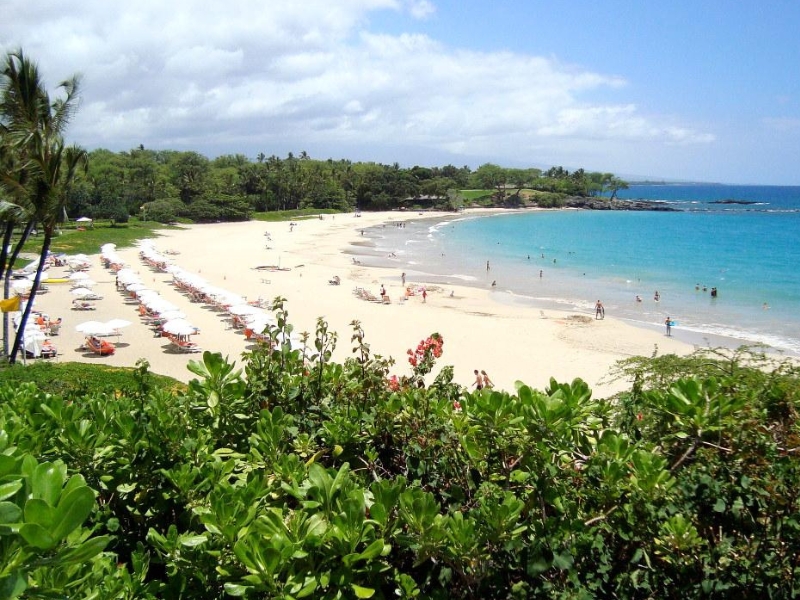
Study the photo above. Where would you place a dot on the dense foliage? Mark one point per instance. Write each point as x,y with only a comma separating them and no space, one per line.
367,479
164,185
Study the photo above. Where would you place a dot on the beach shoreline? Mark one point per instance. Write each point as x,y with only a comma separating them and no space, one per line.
511,342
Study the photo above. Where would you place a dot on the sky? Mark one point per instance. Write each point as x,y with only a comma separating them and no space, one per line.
688,90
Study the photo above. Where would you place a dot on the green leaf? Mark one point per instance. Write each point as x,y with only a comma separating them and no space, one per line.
236,590
9,489
40,512
47,480
37,536
73,509
87,550
373,550
562,561
720,506
362,592
8,464
13,585
9,513
190,541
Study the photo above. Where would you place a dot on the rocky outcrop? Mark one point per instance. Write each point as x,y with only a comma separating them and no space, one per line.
606,204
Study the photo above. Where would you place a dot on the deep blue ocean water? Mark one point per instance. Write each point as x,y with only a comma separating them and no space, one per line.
569,258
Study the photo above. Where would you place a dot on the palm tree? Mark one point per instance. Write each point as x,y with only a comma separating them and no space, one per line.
33,127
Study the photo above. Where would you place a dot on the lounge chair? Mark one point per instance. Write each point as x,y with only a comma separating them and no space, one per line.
366,295
82,305
98,346
54,327
184,345
335,280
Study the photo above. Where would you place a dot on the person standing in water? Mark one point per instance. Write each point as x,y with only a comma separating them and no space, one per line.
668,324
599,310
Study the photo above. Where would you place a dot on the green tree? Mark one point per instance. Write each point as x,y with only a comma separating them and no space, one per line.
490,176
35,126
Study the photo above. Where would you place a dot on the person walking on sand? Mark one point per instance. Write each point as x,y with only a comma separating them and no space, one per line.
487,383
599,311
424,295
668,324
403,278
478,383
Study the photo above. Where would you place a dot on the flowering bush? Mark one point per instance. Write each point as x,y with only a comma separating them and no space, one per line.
423,358
394,383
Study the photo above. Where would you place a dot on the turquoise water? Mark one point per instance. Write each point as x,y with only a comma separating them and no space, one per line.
749,252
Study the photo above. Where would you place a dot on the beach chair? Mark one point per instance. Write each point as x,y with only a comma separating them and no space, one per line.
82,305
98,346
185,345
54,327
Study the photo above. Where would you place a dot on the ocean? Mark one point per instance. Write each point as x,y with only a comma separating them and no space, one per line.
742,240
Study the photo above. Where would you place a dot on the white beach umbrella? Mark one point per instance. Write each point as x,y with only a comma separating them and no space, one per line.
81,291
78,275
22,284
160,305
227,298
179,327
128,276
118,323
147,295
261,322
244,309
260,316
136,287
83,283
105,248
82,327
95,328
169,315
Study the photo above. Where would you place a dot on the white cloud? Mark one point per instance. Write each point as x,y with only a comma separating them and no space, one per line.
421,9
246,76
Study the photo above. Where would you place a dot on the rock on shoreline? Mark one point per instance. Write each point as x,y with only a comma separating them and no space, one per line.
606,204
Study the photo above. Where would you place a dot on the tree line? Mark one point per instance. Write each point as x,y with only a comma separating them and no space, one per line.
165,185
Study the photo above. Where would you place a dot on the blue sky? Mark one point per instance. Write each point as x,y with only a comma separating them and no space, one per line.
687,90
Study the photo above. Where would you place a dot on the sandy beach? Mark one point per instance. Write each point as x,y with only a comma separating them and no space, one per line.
510,342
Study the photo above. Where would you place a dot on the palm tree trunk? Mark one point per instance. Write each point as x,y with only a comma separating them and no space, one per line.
7,279
4,250
48,236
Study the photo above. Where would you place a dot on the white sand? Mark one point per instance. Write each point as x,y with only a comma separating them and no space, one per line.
510,342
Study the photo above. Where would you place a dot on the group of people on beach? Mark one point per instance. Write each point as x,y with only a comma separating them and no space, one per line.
482,380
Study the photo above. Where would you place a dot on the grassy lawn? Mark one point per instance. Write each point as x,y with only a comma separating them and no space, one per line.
69,378
88,241
287,215
476,194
